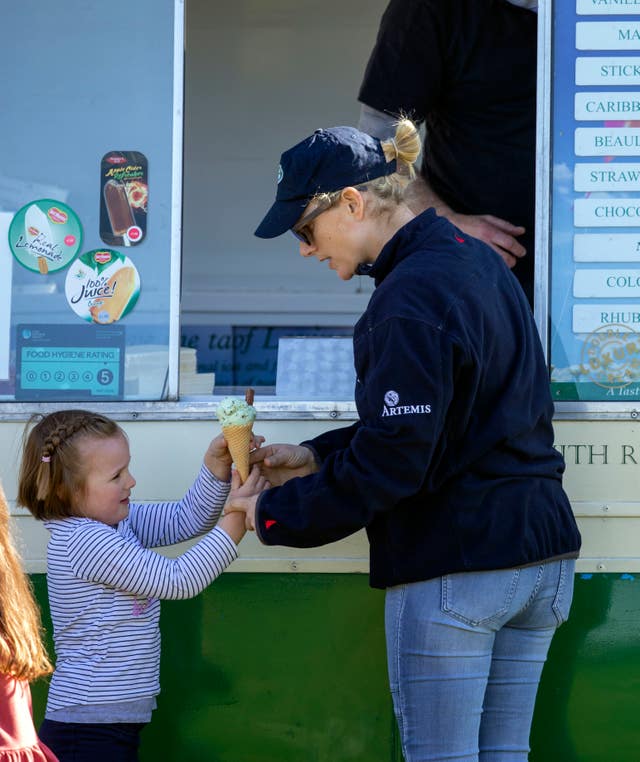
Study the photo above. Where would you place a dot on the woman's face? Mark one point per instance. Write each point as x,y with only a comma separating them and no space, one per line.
335,236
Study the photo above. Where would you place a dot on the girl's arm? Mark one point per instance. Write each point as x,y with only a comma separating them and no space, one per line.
158,524
99,553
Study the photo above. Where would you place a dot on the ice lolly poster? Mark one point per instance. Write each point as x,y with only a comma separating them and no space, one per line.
124,193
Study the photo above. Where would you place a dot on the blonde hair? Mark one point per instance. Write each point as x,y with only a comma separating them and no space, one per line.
22,653
52,470
403,148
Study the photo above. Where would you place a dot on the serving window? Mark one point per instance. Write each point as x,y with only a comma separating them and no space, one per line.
259,78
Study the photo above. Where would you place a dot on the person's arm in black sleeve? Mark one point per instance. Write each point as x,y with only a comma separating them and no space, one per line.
406,69
335,439
389,455
408,73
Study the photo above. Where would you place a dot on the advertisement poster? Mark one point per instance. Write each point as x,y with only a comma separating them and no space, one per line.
595,222
124,195
69,362
6,263
102,286
45,235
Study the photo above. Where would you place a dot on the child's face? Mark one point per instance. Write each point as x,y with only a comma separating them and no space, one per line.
108,482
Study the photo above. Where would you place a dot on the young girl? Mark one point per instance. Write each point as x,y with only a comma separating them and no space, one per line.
104,582
22,655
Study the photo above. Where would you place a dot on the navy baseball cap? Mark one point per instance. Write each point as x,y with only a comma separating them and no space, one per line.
327,161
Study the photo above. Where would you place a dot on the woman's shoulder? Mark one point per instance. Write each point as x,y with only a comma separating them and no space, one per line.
415,288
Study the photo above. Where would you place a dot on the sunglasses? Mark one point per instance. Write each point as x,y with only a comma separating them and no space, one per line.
299,228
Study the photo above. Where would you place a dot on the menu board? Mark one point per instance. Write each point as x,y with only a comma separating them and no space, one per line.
595,211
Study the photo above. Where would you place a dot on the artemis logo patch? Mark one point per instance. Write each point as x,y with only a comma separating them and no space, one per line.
391,398
391,406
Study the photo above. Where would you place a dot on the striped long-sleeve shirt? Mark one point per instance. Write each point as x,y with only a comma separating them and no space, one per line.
105,586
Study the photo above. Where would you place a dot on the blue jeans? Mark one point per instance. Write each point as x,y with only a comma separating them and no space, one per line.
92,742
465,653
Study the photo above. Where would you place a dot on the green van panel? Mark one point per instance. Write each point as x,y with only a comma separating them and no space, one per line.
291,668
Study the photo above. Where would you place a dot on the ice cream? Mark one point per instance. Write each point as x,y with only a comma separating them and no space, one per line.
236,417
118,208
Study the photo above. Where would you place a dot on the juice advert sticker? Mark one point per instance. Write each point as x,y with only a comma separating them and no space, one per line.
124,194
45,235
102,286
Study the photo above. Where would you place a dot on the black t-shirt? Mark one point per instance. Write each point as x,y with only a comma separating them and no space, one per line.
467,68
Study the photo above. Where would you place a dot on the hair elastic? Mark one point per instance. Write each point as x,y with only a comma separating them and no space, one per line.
395,145
46,459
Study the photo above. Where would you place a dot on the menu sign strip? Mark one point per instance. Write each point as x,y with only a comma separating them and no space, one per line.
595,106
608,283
607,212
613,177
614,247
607,71
607,141
607,35
587,317
608,7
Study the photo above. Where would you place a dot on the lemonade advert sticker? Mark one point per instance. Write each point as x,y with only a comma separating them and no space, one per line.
45,235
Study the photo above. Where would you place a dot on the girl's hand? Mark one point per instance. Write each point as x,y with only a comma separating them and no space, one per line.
218,460
243,498
234,525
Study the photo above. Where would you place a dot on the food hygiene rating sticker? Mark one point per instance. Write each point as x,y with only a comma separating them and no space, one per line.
102,286
45,235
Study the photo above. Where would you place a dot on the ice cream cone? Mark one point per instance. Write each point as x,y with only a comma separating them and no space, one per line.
238,439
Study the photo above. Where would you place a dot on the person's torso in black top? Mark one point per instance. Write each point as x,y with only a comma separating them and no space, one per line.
468,70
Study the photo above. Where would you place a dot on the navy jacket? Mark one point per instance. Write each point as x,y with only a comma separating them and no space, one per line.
451,467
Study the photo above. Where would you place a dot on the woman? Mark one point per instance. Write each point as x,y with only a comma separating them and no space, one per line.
451,467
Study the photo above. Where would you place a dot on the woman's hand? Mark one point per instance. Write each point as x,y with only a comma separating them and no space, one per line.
281,462
244,497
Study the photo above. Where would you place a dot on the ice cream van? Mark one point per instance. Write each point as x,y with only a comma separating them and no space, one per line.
139,150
